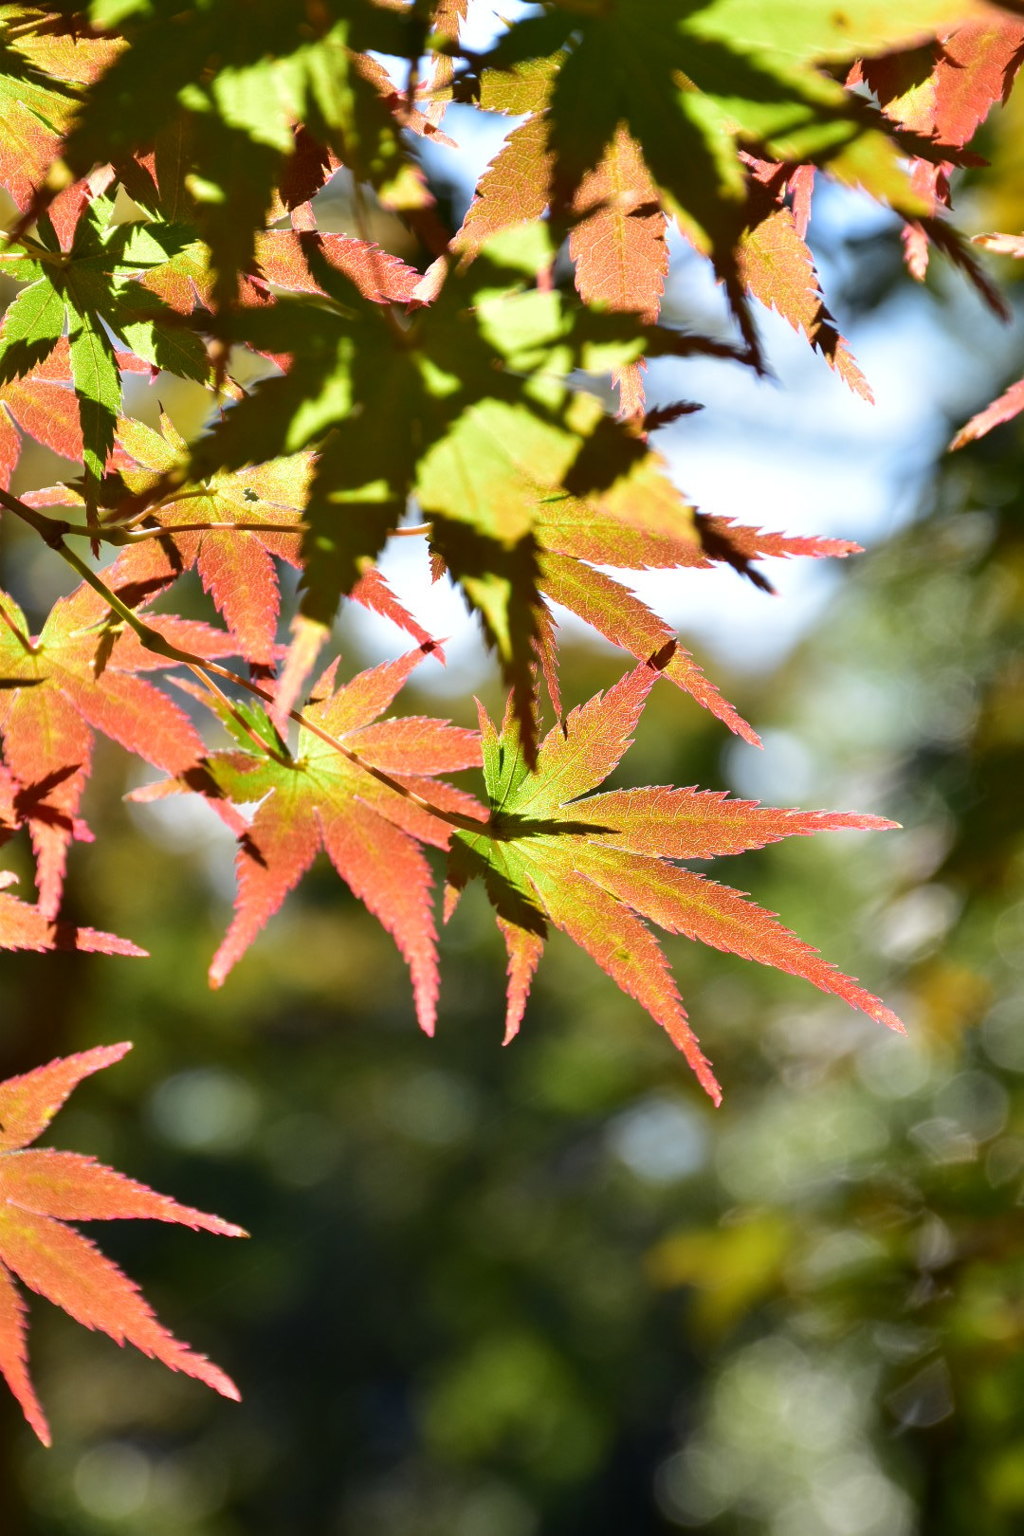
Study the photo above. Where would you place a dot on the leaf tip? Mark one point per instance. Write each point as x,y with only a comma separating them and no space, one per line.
112,1053
219,1380
219,968
221,1228
891,1020
703,1073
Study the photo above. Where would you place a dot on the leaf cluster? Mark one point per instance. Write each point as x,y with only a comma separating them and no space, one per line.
165,165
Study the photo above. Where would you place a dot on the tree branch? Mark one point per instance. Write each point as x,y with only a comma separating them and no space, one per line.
52,531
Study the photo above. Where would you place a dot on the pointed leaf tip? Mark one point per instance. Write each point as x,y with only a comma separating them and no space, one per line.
73,1187
29,1101
41,1189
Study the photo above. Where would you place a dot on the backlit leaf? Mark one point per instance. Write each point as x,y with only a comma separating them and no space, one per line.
40,1191
322,798
599,866
777,267
77,676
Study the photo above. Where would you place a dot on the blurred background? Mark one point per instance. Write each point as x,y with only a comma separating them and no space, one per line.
548,1290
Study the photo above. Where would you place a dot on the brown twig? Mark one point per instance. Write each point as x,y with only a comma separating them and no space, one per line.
52,530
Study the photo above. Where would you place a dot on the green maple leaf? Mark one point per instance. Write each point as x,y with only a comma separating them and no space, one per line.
598,865
690,80
92,291
467,407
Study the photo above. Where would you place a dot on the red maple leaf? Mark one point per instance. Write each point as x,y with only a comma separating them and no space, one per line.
79,675
43,403
41,1191
231,529
970,70
1011,402
281,257
321,797
944,91
1004,408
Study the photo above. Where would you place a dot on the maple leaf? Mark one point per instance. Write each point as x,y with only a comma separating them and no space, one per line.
43,406
231,528
1011,402
234,561
598,865
281,259
689,86
605,167
77,676
322,797
41,1192
944,91
1004,408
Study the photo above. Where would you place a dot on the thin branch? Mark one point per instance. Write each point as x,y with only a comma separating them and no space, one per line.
454,818
52,531
140,535
173,494
234,712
